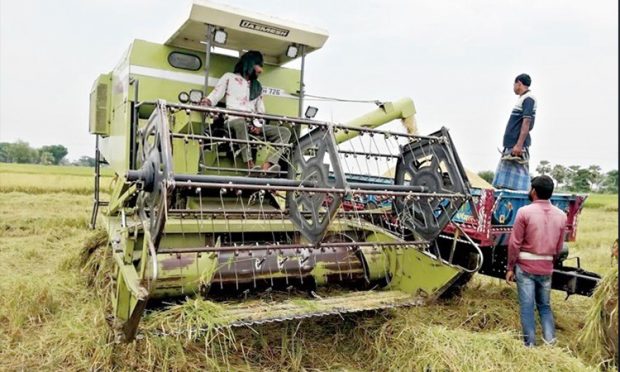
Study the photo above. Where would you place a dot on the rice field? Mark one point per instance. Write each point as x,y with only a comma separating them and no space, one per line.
53,309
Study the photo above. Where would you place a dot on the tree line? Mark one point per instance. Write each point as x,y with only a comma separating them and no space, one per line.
21,152
573,178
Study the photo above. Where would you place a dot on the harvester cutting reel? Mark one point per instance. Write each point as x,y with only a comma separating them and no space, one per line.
429,187
308,166
155,176
432,164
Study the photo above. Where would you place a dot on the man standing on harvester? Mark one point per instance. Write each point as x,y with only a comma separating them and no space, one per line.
243,92
513,169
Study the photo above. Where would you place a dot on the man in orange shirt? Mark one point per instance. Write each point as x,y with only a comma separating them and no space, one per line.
535,243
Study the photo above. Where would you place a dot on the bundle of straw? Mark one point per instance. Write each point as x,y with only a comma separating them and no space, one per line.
599,337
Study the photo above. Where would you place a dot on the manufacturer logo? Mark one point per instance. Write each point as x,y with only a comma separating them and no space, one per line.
264,28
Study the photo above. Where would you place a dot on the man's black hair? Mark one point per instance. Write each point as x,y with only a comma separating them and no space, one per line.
525,79
543,186
245,68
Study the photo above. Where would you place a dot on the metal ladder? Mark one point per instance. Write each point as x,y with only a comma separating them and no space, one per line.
97,202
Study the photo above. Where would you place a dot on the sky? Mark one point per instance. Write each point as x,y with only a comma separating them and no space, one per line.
456,59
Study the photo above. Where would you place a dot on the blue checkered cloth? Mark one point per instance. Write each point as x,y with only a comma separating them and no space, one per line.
512,175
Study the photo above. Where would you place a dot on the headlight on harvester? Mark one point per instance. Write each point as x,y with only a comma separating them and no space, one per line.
291,51
183,97
220,36
311,112
195,96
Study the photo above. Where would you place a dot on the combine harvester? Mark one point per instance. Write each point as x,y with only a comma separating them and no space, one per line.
186,218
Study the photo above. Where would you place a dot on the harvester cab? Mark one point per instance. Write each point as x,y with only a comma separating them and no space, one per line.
186,218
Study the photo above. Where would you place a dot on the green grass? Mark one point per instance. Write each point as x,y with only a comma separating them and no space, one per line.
597,229
42,179
607,202
53,307
63,170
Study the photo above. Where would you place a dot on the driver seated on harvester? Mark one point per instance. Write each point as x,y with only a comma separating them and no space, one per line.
243,92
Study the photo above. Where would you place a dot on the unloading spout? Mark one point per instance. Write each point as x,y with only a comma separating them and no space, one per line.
403,109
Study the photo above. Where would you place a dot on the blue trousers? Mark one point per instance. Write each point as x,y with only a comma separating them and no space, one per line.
535,291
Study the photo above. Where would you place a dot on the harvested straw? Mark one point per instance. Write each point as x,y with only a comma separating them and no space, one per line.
599,337
52,319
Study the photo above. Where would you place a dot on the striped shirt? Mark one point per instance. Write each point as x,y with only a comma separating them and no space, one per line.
524,108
